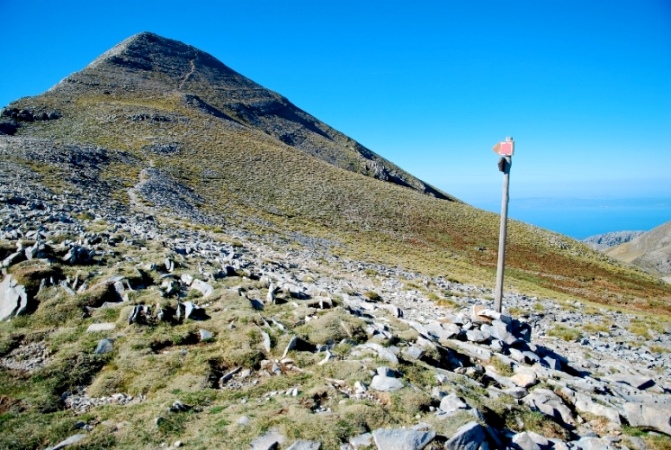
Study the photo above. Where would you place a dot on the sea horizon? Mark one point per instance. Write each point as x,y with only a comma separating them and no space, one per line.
580,218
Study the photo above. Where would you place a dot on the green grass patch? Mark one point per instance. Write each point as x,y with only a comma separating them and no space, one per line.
565,333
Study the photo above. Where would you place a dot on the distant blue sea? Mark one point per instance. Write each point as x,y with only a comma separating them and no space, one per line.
580,218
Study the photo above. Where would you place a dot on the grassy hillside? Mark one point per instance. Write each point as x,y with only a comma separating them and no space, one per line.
247,178
254,160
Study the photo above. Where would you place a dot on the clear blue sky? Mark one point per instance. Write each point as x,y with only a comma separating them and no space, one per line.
584,87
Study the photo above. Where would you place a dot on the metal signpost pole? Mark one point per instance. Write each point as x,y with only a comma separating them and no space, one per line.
505,149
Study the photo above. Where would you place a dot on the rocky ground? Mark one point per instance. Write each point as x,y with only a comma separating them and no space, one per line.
299,348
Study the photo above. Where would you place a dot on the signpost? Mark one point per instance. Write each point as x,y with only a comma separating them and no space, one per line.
505,149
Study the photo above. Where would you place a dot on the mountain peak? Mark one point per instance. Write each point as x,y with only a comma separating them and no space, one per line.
129,45
147,65
149,52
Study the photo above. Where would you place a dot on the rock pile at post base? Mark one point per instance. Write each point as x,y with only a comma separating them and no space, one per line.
589,388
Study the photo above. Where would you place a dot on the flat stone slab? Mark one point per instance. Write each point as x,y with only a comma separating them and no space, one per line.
637,381
400,439
413,353
476,336
268,441
440,333
593,443
471,350
584,403
97,327
655,416
305,445
385,384
67,442
385,353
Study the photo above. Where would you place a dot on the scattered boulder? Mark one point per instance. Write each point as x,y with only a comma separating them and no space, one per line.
524,378
592,443
205,335
204,288
13,298
189,310
451,403
271,440
104,346
266,341
471,436
528,440
550,404
386,353
386,380
13,258
362,440
140,314
78,254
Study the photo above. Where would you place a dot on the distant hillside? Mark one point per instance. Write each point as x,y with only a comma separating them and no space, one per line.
650,251
607,240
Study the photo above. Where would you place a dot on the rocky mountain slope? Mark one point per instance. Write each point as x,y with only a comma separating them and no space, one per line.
175,272
607,240
651,250
131,330
173,127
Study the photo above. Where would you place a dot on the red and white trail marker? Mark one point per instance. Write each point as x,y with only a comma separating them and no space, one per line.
504,148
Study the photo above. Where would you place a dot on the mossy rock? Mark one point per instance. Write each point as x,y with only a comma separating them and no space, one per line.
71,372
351,371
410,401
331,430
364,416
9,342
56,310
31,273
108,382
333,327
95,296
